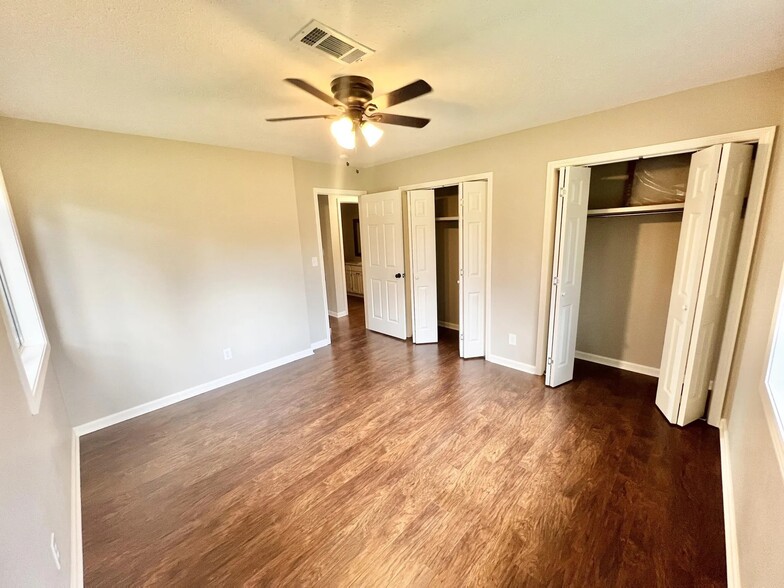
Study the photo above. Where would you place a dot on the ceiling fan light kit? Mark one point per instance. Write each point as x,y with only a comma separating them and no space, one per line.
353,95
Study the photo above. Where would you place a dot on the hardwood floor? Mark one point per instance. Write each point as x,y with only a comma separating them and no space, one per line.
381,463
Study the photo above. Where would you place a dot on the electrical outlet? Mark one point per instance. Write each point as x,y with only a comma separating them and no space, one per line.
512,339
227,353
314,261
55,551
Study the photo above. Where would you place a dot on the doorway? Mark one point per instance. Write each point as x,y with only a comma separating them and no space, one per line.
337,228
720,209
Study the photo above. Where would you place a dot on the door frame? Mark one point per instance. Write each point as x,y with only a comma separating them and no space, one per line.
763,137
329,192
432,185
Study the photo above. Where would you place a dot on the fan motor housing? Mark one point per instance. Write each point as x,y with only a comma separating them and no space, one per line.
352,90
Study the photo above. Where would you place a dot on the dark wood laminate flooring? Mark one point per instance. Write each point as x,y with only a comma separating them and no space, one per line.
381,463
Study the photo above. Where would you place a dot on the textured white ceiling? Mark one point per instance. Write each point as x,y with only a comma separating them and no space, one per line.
211,71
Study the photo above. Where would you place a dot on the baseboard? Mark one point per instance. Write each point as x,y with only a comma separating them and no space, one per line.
320,344
730,529
77,574
510,363
141,409
617,363
334,314
446,325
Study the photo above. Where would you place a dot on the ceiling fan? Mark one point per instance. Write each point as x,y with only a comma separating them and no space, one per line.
353,96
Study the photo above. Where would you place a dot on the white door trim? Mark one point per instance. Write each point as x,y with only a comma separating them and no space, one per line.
764,138
320,244
488,177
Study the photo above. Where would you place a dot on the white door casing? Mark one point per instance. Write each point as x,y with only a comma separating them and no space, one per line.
568,257
713,295
700,191
383,267
422,236
473,267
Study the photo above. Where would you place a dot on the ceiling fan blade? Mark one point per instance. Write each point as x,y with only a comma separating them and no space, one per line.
303,85
409,92
398,119
301,117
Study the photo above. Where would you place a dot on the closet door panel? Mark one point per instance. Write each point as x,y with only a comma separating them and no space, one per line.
713,296
700,190
422,231
473,267
567,273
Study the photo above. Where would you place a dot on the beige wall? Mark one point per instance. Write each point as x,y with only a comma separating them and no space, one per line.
307,176
518,162
448,268
35,480
627,277
758,481
152,256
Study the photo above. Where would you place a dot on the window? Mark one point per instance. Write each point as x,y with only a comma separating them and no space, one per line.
20,308
774,378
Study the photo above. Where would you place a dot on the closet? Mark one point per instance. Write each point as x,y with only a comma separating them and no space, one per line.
447,244
644,256
447,228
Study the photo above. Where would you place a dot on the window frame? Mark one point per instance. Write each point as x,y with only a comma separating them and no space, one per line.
773,381
20,310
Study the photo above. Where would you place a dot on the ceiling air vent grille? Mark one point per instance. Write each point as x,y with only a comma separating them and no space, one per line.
334,44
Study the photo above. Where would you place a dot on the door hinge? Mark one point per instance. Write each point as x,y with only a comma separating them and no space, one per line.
461,271
549,361
461,337
556,281
561,192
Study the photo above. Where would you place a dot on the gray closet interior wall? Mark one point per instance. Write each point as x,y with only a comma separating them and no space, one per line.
447,255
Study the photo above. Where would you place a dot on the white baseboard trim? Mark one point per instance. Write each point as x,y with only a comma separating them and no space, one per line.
141,409
320,344
334,314
728,496
77,574
617,363
510,363
446,325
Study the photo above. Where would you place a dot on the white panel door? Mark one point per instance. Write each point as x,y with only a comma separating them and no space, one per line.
381,229
473,267
720,256
568,256
422,236
700,190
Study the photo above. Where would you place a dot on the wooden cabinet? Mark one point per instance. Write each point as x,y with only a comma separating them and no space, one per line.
354,284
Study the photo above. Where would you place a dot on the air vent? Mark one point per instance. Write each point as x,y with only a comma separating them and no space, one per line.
331,43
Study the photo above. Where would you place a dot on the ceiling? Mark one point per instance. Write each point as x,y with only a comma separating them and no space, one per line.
210,71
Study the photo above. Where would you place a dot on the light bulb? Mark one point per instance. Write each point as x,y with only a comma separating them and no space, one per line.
371,133
343,131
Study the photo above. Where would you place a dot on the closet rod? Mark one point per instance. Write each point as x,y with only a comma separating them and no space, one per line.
646,213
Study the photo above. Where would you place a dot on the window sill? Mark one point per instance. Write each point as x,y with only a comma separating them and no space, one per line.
32,363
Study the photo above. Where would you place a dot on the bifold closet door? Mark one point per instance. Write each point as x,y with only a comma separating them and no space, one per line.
717,270
700,194
571,220
473,267
422,237
383,267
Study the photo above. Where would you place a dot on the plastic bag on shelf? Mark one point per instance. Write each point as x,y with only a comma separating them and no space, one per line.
660,180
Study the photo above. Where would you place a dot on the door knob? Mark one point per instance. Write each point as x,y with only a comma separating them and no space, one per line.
399,275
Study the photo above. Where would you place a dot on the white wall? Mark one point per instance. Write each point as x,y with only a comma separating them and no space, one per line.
35,480
152,256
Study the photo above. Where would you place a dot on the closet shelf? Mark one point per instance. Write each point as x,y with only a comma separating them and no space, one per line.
637,210
447,218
